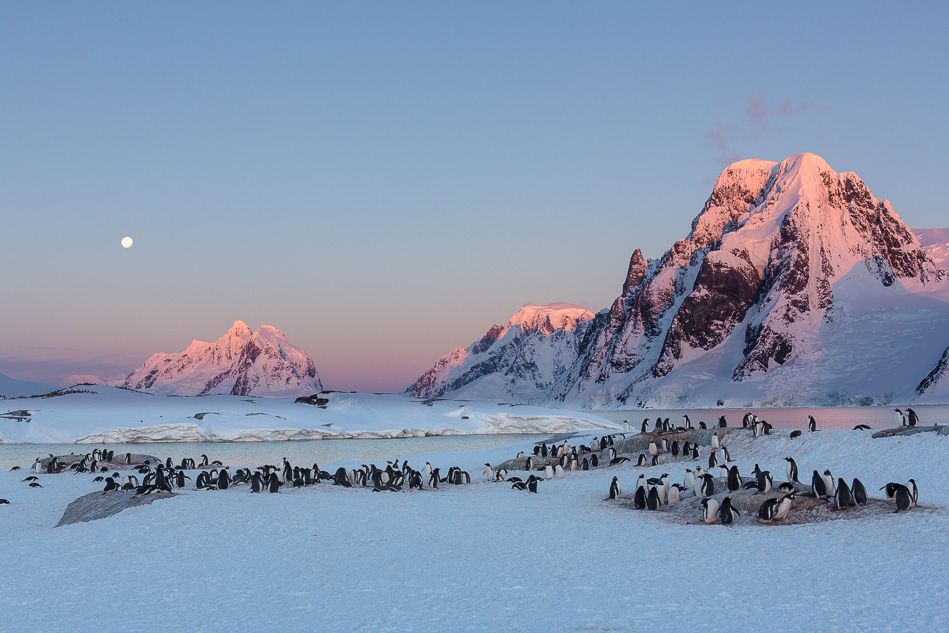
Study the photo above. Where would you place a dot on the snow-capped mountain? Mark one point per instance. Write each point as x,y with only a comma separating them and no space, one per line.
13,388
245,363
515,362
795,285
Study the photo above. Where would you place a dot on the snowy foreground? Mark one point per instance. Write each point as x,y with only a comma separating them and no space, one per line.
109,415
484,557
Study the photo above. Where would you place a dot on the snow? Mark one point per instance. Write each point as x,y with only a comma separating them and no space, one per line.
108,414
484,557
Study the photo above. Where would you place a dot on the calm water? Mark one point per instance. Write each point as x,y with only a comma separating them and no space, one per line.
323,452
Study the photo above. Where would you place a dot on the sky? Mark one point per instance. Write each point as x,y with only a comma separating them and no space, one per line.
384,181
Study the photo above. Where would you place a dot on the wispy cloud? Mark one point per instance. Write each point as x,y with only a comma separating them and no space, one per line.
759,118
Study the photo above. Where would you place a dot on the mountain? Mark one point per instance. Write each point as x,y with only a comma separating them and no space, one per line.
517,361
795,286
245,363
13,388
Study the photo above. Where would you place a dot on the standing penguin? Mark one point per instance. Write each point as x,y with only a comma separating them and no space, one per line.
256,485
488,472
791,469
784,506
811,423
727,512
900,417
764,481
829,484
911,486
675,448
689,480
548,472
842,496
708,486
859,492
532,484
904,498
710,510
652,499
639,501
818,488
734,480
715,441
273,483
911,417
615,491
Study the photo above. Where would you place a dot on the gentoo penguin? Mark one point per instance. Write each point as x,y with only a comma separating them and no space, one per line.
911,417
674,449
723,472
702,425
643,462
768,510
689,480
842,496
890,490
722,423
791,469
204,461
734,479
594,462
488,472
433,478
674,494
223,479
900,417
911,486
34,484
110,485
256,485
858,492
608,454
653,449
687,421
615,491
786,486
180,477
273,484
764,481
861,427
796,433
341,478
904,498
818,488
829,484
784,506
712,460
595,444
654,462
727,512
529,464
639,501
641,481
711,510
708,486
652,499
715,441
558,471
585,465
725,455
128,458
4,502
811,423
695,452
532,484
645,427
625,426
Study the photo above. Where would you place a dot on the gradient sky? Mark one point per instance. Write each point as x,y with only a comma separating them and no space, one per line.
383,181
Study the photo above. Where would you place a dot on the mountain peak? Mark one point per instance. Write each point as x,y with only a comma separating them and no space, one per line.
555,316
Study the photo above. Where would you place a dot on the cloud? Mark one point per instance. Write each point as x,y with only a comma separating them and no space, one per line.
759,118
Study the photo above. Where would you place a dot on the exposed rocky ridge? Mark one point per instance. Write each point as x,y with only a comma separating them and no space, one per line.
784,292
518,360
241,362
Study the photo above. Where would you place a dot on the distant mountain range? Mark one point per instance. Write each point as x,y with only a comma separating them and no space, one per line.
12,388
795,286
245,363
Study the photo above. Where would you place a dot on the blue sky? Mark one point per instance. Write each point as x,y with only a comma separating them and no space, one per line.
383,181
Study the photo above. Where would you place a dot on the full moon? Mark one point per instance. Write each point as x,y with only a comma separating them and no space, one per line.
126,242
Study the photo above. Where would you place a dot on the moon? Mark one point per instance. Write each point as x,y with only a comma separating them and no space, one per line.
126,242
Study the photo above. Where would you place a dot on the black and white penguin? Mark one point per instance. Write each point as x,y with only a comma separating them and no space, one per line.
689,480
615,491
558,471
818,488
180,477
768,510
128,458
702,425
110,485
653,449
784,506
710,510
811,423
674,448
911,417
340,478
734,479
786,486
273,483
794,434
842,497
645,426
224,479
652,499
900,417
594,462
532,484
914,491
639,500
488,473
722,423
654,462
861,427
35,485
890,490
433,479
204,462
829,484
674,494
712,460
904,498
791,469
727,512
256,485
764,481
642,462
4,502
859,492
708,486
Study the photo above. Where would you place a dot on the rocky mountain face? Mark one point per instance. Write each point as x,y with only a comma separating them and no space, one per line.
795,285
515,362
245,363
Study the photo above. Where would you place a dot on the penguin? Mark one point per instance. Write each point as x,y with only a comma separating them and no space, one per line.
585,465
861,427
734,479
433,479
689,479
110,485
608,455
674,449
791,469
532,484
712,461
224,479
594,462
639,501
829,484
652,499
548,472
595,445
695,452
904,498
911,486
715,441
702,425
726,456
768,510
687,421
642,462
341,478
488,473
34,484
708,486
255,482
529,464
641,481
842,496
615,491
4,502
558,471
273,484
764,481
710,510
784,506
900,417
818,487
859,492
911,417
645,427
655,460
811,424
890,490
204,462
794,434
727,512
787,487
653,449
674,494
723,471
686,449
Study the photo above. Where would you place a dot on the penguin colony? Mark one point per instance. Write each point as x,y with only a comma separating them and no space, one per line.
552,461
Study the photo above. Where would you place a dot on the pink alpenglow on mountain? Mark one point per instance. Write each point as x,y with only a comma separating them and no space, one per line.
516,361
245,363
